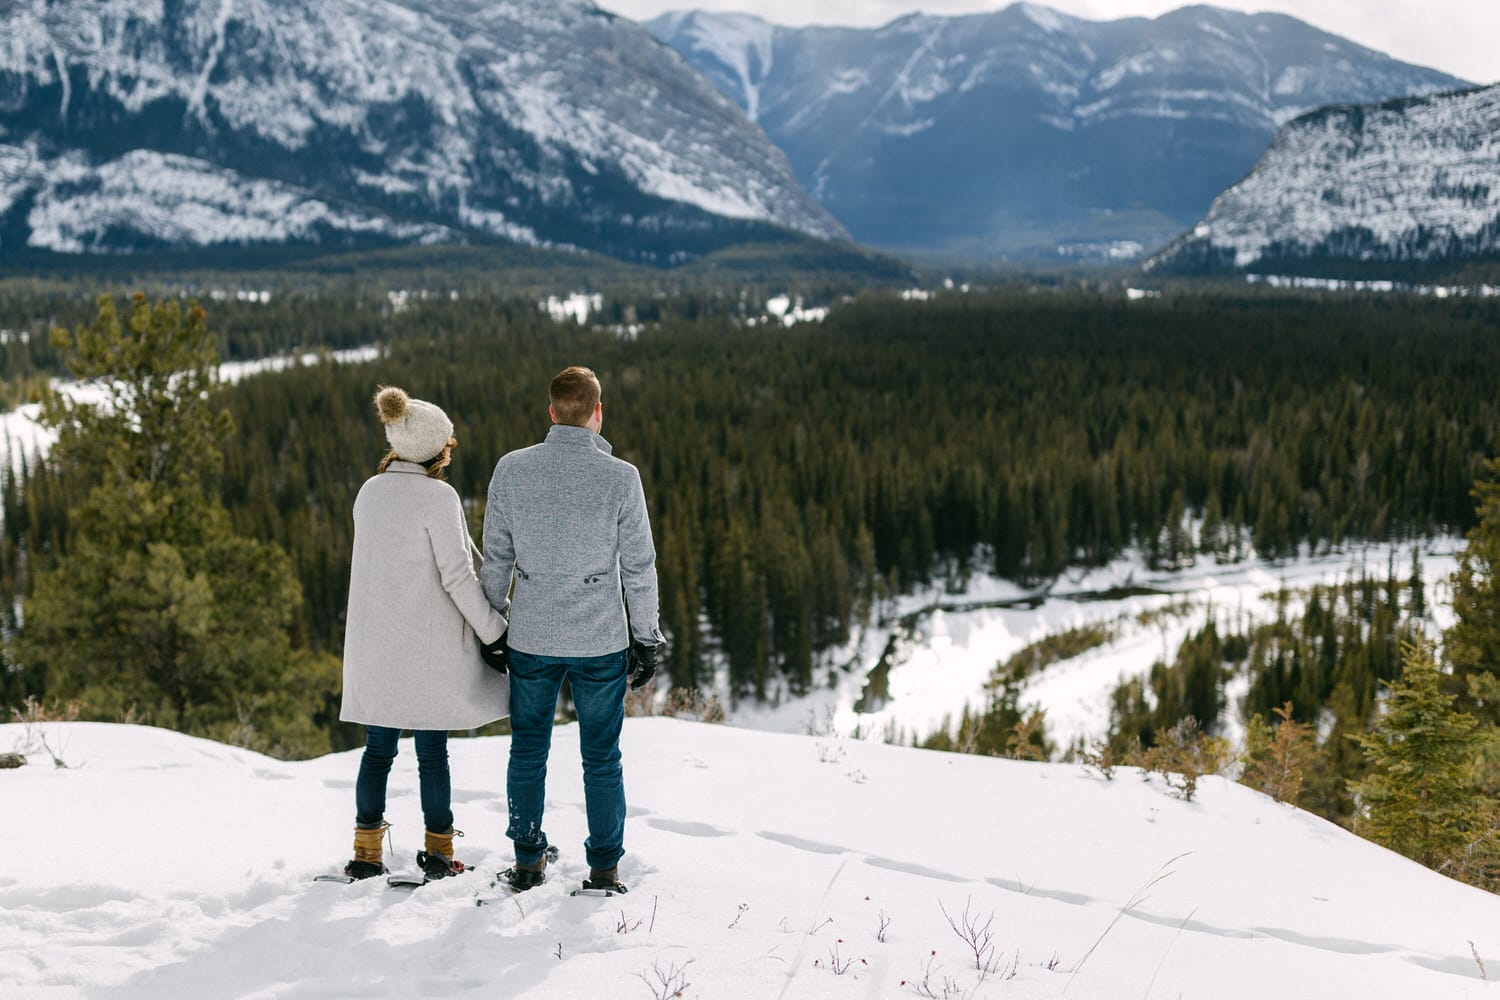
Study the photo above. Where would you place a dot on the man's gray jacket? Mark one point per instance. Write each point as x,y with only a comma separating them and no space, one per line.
568,522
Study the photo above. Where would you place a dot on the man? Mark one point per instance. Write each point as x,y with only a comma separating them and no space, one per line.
567,524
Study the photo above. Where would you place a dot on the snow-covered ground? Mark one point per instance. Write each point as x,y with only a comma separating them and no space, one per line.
948,642
761,866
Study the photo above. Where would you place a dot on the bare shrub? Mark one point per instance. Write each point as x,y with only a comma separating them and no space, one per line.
691,703
1101,758
1275,764
1182,755
978,937
1026,737
34,717
669,983
640,702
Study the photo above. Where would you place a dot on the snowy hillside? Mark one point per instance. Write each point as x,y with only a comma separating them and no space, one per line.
128,125
761,866
1407,180
946,643
1026,128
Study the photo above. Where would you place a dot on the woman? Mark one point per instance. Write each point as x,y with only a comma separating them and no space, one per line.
419,630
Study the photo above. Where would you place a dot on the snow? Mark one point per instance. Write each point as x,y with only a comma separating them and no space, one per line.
790,312
159,866
1420,178
575,307
744,44
949,641
22,436
1354,285
1046,18
302,73
181,201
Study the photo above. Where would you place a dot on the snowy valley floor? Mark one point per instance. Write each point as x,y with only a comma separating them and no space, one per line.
950,641
163,866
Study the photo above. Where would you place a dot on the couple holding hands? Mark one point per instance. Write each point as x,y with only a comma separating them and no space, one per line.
438,639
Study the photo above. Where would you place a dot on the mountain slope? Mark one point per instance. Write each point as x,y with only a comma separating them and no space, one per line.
1402,181
1024,128
760,866
198,122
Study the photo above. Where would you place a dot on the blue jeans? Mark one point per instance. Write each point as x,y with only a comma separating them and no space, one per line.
598,685
432,775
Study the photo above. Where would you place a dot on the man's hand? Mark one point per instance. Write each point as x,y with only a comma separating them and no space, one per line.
496,655
642,663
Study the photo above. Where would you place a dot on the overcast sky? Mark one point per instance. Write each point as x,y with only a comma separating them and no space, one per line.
1461,37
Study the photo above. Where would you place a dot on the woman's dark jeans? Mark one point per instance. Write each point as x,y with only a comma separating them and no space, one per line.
432,773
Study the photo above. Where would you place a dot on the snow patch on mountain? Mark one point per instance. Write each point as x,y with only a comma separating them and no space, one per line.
417,118
1404,180
180,201
1010,128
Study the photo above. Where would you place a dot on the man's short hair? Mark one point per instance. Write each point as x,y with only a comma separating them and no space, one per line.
574,393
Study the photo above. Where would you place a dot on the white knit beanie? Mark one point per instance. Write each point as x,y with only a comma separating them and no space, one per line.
417,430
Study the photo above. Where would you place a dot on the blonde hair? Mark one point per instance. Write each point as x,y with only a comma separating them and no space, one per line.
437,466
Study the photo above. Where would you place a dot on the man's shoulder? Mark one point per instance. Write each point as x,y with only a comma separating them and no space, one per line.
519,456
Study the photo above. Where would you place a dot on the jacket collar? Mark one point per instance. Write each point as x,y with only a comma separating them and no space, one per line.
402,465
578,436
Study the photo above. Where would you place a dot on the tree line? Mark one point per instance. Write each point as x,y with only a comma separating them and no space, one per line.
797,474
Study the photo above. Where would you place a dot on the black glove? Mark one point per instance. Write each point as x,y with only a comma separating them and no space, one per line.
496,655
641,665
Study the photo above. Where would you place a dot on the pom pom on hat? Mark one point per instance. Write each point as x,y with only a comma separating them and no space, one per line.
417,430
392,403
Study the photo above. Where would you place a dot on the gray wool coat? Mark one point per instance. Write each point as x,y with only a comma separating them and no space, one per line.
416,611
567,521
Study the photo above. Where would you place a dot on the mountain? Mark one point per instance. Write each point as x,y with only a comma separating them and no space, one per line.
161,866
1023,129
1414,180
181,123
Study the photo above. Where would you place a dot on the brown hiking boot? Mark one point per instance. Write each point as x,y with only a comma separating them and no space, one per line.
437,860
368,852
604,878
526,876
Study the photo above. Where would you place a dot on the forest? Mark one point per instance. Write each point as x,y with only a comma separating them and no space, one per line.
796,475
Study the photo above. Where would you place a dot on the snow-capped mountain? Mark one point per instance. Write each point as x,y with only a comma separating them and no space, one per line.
1026,128
130,123
1405,180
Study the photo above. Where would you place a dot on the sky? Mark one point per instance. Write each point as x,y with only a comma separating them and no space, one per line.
1461,37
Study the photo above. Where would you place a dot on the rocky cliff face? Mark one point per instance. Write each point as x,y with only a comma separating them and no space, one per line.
1406,180
180,123
1024,129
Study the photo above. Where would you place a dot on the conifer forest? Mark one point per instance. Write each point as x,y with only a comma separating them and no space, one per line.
799,476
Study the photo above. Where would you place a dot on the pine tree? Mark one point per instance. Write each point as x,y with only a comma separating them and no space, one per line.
1276,760
157,608
1420,797
1473,643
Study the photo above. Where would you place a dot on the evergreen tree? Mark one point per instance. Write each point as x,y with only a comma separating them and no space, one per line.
1473,643
1420,797
156,608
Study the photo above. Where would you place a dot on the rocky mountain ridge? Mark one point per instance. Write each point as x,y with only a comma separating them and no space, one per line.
1411,180
180,123
1029,131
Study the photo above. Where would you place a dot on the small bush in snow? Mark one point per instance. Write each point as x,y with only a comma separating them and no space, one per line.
1275,761
1182,755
